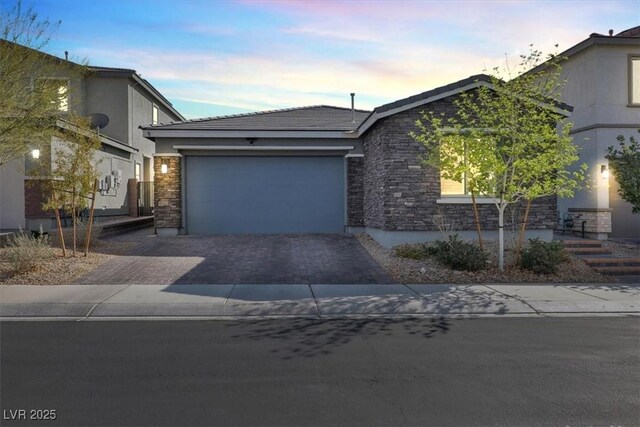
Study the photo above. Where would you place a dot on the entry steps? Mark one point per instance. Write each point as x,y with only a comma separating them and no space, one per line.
125,225
601,259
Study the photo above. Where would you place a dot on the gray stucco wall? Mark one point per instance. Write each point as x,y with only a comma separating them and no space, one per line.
108,95
402,194
12,195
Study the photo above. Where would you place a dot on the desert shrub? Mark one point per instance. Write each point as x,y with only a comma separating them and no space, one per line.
458,255
543,257
26,252
413,251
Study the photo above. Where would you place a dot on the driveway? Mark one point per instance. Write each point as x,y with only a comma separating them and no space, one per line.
242,259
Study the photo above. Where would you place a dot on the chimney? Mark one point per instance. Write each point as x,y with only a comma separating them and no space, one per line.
66,55
353,109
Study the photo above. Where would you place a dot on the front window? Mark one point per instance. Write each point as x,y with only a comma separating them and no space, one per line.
454,149
154,115
634,80
55,90
461,159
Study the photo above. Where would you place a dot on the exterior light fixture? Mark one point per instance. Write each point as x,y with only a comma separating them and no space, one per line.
164,168
604,171
35,153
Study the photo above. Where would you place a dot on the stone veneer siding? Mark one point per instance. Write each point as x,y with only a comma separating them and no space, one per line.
401,192
168,192
355,191
598,220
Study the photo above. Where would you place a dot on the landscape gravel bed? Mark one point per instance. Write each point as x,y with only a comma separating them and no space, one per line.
428,270
61,271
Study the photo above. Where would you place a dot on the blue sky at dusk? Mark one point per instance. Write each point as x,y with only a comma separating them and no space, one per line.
221,57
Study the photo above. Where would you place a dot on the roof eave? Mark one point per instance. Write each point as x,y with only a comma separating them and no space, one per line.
142,82
153,133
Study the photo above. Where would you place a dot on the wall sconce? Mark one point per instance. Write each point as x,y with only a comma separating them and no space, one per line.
164,168
35,153
604,171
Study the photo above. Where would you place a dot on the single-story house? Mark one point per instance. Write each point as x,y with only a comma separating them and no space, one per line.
318,169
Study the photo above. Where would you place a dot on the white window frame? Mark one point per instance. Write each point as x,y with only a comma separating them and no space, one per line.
34,82
155,114
632,58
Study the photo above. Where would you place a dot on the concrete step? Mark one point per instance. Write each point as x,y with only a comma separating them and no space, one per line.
126,225
613,262
618,271
588,250
582,243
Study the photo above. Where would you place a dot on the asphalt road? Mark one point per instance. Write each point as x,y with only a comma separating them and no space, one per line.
517,371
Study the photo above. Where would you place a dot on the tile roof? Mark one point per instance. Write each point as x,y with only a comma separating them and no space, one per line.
316,117
432,92
448,88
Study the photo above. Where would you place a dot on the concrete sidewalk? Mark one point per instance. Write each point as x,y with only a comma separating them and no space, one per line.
79,302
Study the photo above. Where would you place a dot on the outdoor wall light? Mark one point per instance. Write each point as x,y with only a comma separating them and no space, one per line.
164,168
35,153
604,171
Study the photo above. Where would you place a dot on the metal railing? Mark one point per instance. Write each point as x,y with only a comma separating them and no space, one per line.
145,198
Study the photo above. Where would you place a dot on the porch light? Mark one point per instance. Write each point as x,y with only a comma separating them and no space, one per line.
604,171
35,153
164,168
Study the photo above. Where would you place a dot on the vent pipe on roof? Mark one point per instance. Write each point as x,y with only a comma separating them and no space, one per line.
353,109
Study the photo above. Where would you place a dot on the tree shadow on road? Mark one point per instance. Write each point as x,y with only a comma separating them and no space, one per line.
310,338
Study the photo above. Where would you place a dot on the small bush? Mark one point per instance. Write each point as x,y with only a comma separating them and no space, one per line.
25,252
543,257
413,251
458,255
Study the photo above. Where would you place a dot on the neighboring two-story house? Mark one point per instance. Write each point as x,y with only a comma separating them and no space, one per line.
128,101
603,86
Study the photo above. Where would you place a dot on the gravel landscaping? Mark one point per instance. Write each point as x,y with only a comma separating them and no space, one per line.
60,271
428,270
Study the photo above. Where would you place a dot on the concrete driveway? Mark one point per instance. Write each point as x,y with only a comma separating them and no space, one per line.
242,259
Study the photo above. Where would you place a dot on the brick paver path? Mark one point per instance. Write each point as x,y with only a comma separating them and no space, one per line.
233,259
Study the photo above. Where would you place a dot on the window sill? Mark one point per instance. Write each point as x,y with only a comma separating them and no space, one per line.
460,200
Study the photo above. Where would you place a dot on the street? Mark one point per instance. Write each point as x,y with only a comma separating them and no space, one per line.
492,371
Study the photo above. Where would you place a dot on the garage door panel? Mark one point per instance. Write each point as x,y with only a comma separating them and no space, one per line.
264,194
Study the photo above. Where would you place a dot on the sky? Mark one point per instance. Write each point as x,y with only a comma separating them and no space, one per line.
213,58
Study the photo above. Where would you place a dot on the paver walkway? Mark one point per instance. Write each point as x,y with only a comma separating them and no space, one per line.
242,259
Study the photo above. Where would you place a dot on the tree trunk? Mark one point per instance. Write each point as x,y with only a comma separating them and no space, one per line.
59,224
73,219
88,230
501,238
523,229
477,219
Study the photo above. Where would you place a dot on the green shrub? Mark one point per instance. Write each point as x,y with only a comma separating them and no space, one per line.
26,252
413,251
543,257
458,255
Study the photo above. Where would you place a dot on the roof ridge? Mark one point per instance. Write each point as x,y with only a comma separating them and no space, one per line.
256,113
99,67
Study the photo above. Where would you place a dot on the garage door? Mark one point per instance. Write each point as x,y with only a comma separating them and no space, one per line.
264,195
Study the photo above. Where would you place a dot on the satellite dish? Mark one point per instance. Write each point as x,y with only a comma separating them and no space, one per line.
99,120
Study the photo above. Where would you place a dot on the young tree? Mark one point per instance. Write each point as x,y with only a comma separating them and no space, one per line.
73,170
508,139
26,104
625,164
